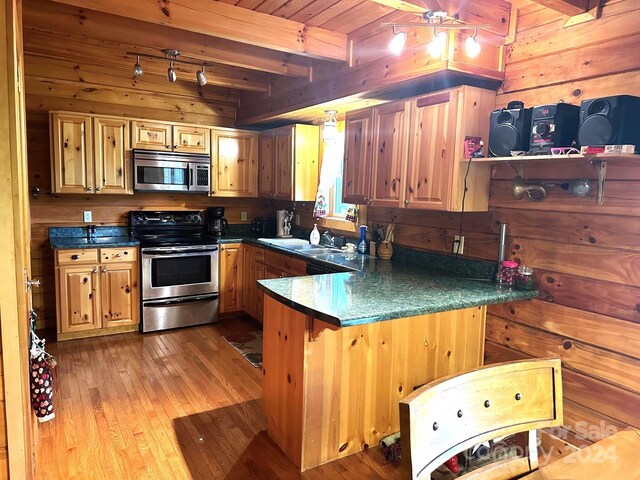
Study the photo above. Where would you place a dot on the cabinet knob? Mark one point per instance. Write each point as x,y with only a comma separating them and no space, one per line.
95,270
98,189
75,257
175,146
118,255
104,270
167,146
406,202
89,189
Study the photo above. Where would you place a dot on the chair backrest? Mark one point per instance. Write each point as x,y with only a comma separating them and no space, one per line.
449,415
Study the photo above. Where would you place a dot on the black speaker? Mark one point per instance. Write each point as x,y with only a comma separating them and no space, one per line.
553,125
509,131
610,121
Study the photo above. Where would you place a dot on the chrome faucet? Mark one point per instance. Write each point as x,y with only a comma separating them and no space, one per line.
327,239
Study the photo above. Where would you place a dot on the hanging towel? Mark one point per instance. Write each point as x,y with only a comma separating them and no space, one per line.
331,163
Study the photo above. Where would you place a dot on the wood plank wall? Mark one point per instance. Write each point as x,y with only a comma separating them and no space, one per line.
585,256
58,84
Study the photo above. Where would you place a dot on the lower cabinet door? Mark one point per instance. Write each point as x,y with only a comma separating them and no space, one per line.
79,298
119,294
230,278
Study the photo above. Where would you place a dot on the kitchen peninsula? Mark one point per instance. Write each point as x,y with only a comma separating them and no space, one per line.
341,350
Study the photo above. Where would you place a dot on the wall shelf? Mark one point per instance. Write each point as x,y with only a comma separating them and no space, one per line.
598,160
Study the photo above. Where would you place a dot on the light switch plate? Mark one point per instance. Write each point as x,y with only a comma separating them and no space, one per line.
243,216
86,216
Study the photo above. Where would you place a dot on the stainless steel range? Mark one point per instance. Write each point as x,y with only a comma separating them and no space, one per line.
179,269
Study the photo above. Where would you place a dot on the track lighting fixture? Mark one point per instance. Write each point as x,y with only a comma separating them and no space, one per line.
471,45
440,22
137,68
171,73
200,78
172,56
397,43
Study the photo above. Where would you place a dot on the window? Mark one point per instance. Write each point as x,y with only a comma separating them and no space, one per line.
337,209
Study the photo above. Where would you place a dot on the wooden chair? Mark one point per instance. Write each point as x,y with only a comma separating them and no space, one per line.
452,414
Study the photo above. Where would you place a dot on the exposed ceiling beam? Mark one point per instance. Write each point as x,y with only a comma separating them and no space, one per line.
47,16
566,7
219,19
412,7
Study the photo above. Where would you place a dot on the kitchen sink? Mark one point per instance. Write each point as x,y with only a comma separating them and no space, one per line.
285,242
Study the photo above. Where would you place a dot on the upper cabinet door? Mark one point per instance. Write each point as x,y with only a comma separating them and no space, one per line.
266,165
431,151
356,183
234,157
151,135
389,154
72,153
191,139
112,155
284,163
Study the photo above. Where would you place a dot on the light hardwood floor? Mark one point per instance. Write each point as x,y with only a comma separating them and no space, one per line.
172,405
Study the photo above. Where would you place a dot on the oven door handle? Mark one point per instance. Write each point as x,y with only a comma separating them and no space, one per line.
173,301
175,253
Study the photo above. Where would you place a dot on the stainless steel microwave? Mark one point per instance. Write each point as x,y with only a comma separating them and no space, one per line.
171,172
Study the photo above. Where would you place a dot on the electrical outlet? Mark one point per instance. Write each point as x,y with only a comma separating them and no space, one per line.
243,216
458,244
86,216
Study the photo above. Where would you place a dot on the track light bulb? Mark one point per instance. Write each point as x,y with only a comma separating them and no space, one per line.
171,73
436,46
137,68
472,46
397,42
202,80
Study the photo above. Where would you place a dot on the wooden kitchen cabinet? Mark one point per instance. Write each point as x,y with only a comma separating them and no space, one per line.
417,148
234,161
282,265
90,154
253,270
356,184
169,137
230,278
191,139
293,157
151,135
266,164
97,291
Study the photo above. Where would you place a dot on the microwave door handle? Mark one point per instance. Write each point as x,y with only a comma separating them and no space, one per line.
191,175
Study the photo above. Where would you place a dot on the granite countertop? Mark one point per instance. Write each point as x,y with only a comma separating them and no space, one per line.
62,238
417,283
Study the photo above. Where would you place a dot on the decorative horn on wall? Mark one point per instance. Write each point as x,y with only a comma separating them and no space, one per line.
537,192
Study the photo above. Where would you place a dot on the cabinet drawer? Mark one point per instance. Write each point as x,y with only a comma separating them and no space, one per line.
77,255
116,255
286,263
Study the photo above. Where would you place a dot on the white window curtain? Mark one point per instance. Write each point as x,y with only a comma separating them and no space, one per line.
331,162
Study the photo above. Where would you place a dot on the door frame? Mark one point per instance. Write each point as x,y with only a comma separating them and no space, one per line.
15,246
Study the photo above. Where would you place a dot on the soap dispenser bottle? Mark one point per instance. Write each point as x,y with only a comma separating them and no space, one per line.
362,244
314,238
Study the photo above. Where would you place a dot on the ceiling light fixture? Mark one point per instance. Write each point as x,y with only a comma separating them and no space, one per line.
171,73
440,22
397,43
172,56
200,78
472,46
137,68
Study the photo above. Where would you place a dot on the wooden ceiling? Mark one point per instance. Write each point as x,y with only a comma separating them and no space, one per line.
250,47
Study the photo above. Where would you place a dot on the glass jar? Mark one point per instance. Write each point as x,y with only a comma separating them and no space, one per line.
524,278
506,276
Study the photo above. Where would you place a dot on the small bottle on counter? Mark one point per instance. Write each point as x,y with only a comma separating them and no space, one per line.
524,278
314,238
362,244
506,276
